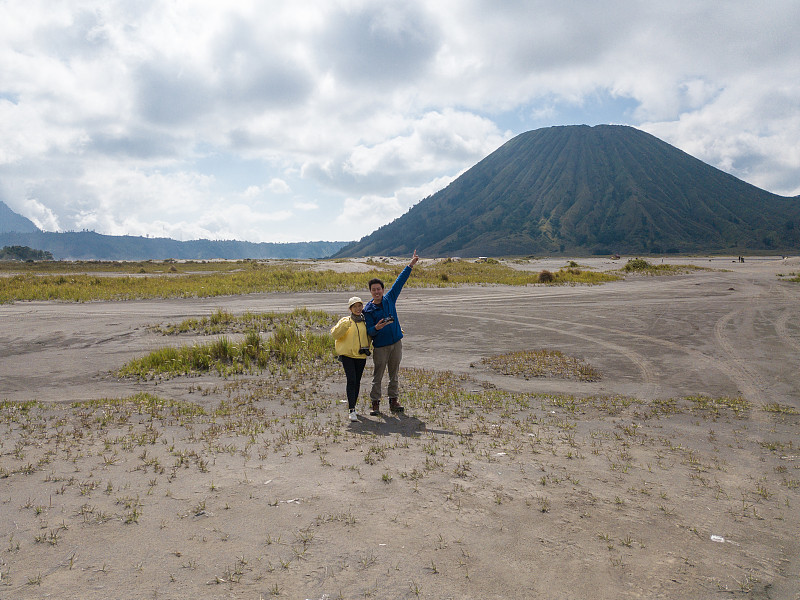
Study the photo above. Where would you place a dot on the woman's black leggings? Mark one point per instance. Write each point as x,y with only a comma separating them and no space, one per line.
353,368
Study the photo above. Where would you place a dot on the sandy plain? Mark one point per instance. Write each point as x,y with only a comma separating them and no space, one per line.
677,475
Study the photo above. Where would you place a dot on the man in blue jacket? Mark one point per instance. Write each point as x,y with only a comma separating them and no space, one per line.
380,315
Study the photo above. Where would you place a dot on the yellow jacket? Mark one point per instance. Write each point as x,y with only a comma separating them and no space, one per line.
350,336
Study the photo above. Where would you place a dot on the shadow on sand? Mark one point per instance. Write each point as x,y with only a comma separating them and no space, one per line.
388,424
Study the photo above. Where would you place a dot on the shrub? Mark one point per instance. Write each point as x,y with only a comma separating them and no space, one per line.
637,264
546,277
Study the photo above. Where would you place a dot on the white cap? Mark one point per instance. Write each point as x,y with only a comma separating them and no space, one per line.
354,300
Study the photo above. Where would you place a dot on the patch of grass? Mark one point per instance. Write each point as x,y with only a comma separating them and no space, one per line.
75,282
572,275
643,267
286,346
144,404
290,346
542,363
785,409
13,406
222,321
715,405
111,266
453,272
222,281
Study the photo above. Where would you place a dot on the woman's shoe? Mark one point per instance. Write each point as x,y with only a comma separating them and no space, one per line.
353,416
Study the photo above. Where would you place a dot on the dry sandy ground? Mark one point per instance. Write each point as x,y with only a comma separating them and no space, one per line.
635,486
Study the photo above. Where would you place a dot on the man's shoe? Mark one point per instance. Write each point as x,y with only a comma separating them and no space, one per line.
394,406
376,408
353,416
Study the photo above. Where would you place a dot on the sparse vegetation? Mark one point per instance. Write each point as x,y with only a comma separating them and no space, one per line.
258,485
146,442
292,341
542,363
738,405
641,266
84,282
222,321
77,284
785,409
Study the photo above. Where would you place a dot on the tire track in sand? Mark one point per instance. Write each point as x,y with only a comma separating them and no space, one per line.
738,369
753,385
732,371
642,364
782,329
782,322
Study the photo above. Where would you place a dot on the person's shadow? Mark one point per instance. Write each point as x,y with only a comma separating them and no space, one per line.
388,424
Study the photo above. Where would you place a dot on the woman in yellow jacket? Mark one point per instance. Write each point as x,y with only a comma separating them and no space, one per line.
353,346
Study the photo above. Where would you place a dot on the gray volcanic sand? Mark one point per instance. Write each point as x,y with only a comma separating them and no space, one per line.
488,487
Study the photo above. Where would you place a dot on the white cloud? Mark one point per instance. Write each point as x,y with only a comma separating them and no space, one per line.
419,149
146,117
42,217
278,186
746,130
306,206
361,216
388,44
252,191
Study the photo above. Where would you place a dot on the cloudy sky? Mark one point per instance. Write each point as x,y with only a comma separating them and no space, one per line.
324,119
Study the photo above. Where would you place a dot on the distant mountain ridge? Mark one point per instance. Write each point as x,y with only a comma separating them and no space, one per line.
590,190
16,230
11,221
88,245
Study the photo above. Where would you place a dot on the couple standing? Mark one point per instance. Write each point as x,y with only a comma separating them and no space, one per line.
374,329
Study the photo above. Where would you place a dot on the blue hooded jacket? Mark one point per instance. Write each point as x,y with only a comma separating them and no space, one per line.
373,313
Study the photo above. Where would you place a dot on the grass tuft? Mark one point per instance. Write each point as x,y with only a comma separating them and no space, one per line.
785,409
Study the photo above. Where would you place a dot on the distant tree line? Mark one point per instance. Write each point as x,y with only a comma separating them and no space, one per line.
89,245
24,253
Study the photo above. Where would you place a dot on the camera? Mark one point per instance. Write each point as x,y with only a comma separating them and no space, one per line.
364,351
389,319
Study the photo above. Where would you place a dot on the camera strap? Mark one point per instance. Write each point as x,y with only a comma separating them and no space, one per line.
358,330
